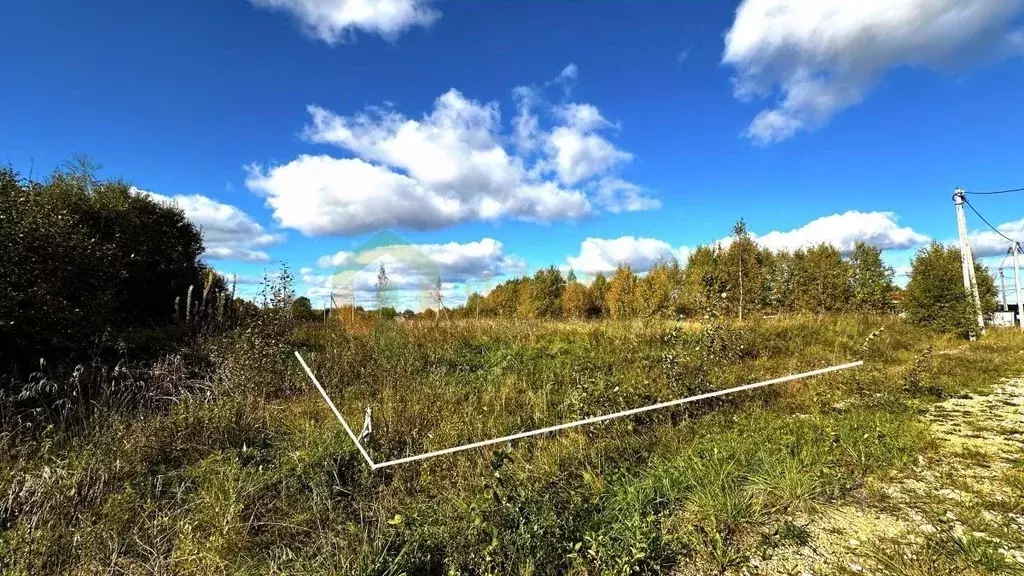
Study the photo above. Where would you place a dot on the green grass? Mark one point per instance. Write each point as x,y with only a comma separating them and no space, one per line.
249,472
944,553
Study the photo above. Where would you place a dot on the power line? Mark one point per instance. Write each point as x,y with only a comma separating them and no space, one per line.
995,192
994,229
1005,256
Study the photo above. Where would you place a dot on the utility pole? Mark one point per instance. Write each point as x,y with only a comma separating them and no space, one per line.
1002,281
1016,281
967,258
440,304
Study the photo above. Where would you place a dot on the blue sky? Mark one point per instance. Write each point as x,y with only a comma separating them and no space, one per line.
501,137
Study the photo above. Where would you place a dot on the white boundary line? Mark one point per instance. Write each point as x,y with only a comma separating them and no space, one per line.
592,420
335,410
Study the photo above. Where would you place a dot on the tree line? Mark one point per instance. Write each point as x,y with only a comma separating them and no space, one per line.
93,267
746,279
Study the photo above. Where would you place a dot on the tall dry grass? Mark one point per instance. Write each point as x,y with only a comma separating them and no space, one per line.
245,470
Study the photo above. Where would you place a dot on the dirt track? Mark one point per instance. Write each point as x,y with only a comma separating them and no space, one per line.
971,487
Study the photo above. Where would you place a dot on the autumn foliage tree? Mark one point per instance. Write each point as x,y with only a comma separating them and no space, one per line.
621,297
576,303
716,281
503,300
598,292
657,292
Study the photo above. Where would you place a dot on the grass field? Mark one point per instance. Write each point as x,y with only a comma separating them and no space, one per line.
236,465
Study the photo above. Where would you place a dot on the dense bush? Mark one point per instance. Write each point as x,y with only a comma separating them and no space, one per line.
302,309
87,265
936,295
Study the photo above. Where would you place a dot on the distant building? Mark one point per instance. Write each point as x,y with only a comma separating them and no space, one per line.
1001,318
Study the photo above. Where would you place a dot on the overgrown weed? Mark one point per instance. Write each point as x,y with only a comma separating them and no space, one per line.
246,471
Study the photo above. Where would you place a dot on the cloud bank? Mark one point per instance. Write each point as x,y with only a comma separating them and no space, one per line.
461,267
989,243
843,231
821,56
603,256
228,232
879,229
455,164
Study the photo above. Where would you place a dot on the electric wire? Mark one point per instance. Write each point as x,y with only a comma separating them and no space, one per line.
1005,256
995,192
989,224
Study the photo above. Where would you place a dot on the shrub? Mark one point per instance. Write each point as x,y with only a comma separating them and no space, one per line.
302,309
87,265
935,295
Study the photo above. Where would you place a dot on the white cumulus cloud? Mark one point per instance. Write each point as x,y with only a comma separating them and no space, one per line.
602,255
878,229
577,149
452,165
413,270
453,261
617,195
326,195
334,21
822,56
989,243
228,232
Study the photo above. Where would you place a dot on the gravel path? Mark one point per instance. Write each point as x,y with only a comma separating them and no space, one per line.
971,487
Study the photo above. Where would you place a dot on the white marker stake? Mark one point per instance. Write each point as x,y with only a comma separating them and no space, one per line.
592,420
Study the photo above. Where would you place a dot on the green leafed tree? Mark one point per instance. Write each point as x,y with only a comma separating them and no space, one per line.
821,280
545,293
777,288
703,283
476,305
85,263
302,309
935,296
743,268
871,280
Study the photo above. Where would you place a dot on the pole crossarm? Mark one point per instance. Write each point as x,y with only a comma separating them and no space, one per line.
585,421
